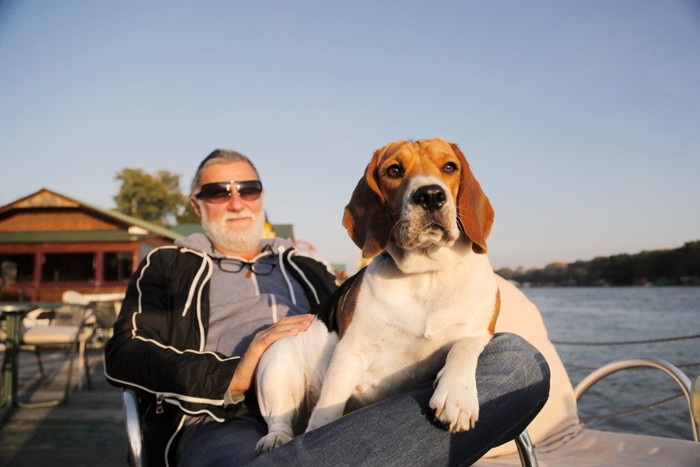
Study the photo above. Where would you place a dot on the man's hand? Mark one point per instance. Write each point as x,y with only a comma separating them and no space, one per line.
245,371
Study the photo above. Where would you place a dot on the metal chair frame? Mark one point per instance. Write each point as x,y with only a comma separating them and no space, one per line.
690,391
130,406
76,349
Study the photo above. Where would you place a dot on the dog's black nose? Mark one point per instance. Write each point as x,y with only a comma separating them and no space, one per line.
430,197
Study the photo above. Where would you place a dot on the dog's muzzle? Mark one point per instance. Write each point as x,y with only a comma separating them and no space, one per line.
428,219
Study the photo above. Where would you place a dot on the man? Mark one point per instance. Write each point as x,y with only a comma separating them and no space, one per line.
197,316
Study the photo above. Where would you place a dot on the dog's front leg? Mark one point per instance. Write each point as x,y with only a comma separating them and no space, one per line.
280,389
455,400
347,366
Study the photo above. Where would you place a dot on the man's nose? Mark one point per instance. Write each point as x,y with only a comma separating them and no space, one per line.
235,203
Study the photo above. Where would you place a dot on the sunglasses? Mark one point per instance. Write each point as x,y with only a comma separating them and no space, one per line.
220,192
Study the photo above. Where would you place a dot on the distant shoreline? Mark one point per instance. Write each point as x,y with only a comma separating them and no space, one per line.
675,267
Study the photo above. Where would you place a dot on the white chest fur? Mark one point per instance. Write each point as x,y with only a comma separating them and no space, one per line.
402,329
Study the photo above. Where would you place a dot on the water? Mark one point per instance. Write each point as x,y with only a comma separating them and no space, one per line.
626,314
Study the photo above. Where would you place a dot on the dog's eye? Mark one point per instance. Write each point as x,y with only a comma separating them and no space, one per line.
449,167
394,171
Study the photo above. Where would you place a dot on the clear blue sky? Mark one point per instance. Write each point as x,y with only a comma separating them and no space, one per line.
581,119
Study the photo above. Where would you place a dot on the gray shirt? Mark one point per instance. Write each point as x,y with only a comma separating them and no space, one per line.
242,303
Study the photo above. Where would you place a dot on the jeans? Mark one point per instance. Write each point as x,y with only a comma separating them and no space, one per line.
513,385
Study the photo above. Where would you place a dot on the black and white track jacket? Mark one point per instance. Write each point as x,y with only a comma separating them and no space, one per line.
159,338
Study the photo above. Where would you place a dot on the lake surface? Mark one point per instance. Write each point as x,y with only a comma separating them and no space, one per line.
619,314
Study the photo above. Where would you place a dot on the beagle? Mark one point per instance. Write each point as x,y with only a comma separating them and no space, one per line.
425,307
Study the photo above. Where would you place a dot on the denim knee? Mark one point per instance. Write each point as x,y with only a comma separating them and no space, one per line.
526,367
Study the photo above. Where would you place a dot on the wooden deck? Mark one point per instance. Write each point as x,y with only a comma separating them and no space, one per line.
87,430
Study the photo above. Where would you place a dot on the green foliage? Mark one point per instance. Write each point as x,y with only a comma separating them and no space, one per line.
154,198
187,215
661,267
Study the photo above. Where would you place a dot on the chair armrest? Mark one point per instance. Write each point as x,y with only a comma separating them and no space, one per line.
671,370
39,316
130,405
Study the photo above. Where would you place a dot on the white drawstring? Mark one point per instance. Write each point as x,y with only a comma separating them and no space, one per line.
280,251
274,308
254,278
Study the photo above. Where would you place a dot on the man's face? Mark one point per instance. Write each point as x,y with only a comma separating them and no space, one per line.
235,226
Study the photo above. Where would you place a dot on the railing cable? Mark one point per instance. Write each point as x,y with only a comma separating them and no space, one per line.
637,342
573,366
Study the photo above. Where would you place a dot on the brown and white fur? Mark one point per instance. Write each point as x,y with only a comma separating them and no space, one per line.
427,305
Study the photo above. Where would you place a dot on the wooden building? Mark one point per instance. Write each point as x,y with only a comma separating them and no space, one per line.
50,243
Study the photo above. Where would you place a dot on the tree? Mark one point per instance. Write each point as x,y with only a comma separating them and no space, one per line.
154,198
187,215
506,273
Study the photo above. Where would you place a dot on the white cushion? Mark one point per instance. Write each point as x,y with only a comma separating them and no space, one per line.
50,335
559,417
593,448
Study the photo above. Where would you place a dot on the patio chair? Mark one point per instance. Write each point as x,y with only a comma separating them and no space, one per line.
558,437
105,309
65,327
555,437
137,455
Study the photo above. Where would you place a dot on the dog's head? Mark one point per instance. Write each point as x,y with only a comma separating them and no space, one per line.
418,194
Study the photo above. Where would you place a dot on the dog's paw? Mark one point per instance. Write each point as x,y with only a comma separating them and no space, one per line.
455,406
272,440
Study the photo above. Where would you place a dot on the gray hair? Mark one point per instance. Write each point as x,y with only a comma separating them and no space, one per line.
220,156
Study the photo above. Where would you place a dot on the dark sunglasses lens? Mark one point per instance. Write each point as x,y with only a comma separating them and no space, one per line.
249,191
214,192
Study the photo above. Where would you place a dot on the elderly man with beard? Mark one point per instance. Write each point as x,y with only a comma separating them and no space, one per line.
198,315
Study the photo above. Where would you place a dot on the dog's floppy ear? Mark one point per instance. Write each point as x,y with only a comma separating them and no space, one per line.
366,217
473,207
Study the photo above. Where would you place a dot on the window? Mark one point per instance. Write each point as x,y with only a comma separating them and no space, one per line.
16,268
117,266
68,267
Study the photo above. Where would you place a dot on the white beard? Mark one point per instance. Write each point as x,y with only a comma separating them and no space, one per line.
234,240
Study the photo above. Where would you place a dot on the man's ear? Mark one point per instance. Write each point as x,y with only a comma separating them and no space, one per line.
195,206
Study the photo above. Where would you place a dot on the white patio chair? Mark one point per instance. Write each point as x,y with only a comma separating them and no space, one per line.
105,307
558,437
137,455
66,327
555,437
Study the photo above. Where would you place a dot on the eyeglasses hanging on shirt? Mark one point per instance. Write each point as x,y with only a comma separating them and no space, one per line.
259,268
